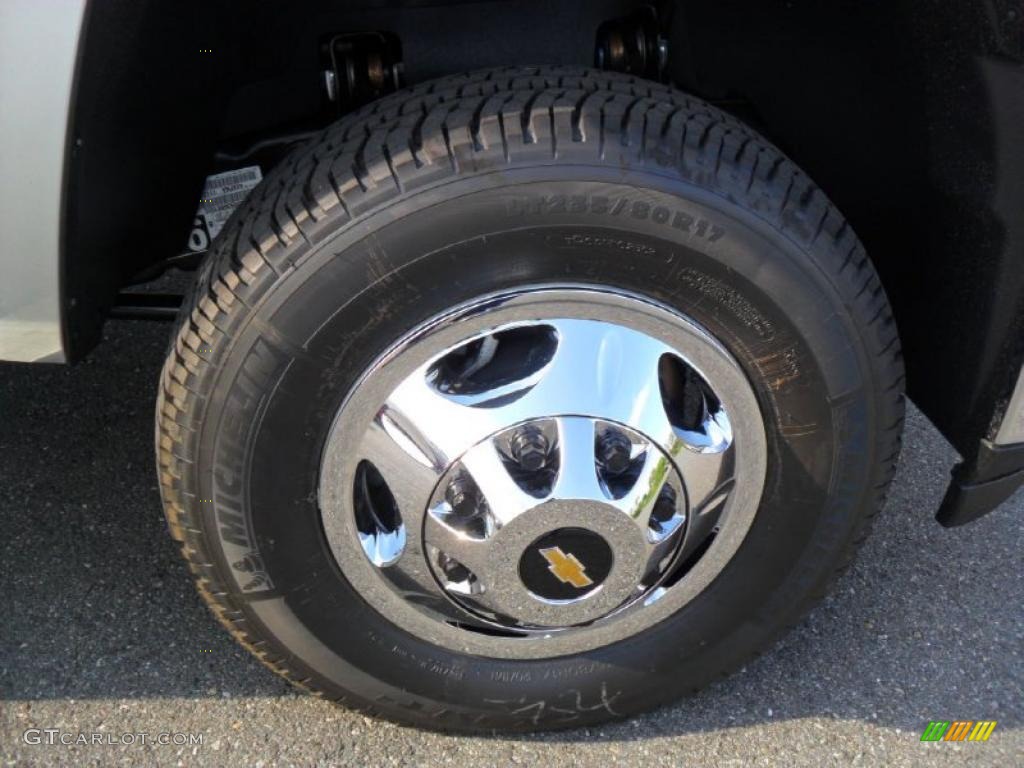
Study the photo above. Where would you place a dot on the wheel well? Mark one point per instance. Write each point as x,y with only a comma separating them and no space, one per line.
905,115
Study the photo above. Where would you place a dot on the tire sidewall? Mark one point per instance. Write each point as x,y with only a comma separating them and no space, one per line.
305,344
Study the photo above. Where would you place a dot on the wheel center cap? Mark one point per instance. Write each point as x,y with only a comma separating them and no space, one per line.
555,522
567,564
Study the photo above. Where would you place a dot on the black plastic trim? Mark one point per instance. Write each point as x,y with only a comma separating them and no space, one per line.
983,483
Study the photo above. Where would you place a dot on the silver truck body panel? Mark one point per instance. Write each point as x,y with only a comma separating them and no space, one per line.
1011,429
39,43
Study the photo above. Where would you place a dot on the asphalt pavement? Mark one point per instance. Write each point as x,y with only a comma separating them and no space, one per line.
101,630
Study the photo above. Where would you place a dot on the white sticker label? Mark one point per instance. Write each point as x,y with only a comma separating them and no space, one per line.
222,193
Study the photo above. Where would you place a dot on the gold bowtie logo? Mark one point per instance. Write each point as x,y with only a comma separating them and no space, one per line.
566,567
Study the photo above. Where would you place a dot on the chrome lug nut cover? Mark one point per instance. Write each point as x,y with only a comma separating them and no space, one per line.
529,448
616,452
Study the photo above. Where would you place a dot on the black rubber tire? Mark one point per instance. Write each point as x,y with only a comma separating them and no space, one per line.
472,184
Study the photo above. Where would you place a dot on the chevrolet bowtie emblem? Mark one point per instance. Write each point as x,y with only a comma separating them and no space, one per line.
566,568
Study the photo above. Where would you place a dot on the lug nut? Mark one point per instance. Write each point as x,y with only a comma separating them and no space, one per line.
530,448
453,569
461,497
615,452
665,506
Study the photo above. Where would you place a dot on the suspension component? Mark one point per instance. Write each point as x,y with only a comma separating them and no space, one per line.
361,67
633,44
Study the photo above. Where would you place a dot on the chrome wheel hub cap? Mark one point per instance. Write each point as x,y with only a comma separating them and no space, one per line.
563,543
542,472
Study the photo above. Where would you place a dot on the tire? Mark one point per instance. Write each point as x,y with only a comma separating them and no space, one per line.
486,182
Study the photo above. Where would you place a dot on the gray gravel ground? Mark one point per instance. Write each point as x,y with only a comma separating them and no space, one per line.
101,630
